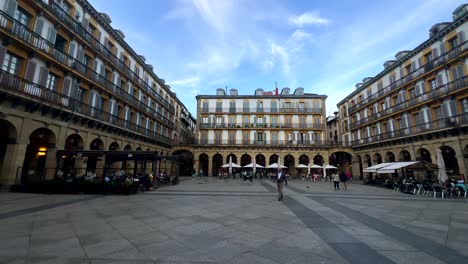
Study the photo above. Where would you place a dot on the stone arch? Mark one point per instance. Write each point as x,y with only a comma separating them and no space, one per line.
378,158
186,161
217,161
390,157
450,159
367,160
234,158
245,160
114,146
289,161
304,159
318,160
342,160
96,144
74,142
41,143
273,159
260,159
203,162
423,154
404,156
128,147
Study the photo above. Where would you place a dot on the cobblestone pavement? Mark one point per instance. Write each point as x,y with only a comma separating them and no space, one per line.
232,221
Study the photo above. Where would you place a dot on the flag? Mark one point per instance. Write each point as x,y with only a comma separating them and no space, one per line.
276,88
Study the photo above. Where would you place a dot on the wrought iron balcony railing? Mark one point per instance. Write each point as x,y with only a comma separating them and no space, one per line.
437,93
62,16
271,143
40,44
262,126
447,56
17,86
281,110
435,125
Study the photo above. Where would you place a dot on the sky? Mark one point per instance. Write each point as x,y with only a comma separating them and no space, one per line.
326,47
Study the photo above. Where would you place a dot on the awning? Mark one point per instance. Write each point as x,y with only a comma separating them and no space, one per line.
378,166
398,165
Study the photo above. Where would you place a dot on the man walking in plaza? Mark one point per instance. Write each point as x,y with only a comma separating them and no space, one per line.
280,181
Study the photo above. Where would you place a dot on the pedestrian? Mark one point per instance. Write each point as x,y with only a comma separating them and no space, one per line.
343,179
280,180
336,181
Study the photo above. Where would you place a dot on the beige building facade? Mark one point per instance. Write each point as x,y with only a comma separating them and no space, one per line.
74,96
288,127
416,106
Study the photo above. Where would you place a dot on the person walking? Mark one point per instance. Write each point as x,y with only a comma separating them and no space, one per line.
280,181
336,181
343,179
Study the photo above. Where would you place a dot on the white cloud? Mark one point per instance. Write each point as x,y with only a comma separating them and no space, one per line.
191,81
308,18
300,35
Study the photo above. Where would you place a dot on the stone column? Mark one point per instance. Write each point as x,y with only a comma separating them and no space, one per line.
210,166
51,163
13,160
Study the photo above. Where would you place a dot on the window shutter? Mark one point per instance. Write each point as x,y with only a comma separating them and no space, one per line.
461,37
439,80
74,88
66,87
102,71
71,49
39,25
119,82
44,73
435,53
413,66
98,101
113,78
52,35
106,42
420,64
10,7
92,102
453,107
85,24
95,65
99,36
255,137
30,70
2,53
442,48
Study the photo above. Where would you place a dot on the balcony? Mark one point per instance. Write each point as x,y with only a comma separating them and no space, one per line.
42,46
262,126
74,26
272,143
18,87
439,124
264,110
447,56
437,93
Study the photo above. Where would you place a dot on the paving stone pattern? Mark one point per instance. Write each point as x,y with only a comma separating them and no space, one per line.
232,221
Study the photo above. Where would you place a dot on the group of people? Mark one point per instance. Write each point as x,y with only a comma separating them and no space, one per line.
342,177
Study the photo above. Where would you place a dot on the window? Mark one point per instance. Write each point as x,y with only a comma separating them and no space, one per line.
245,138
246,106
219,121
428,57
274,138
260,120
205,107
465,105
274,107
260,107
22,16
433,83
219,106
11,64
287,106
232,107
274,121
232,138
260,137
51,83
453,42
246,120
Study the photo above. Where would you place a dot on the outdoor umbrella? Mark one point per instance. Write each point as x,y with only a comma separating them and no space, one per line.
326,167
275,166
301,166
251,165
440,162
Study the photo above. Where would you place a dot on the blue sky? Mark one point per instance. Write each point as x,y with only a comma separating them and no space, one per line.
324,46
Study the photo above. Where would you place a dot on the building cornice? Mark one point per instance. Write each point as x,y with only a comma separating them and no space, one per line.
261,96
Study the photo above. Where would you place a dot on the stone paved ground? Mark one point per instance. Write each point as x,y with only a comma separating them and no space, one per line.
231,221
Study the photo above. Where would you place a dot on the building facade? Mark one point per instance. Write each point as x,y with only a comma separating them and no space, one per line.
267,126
416,106
72,89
